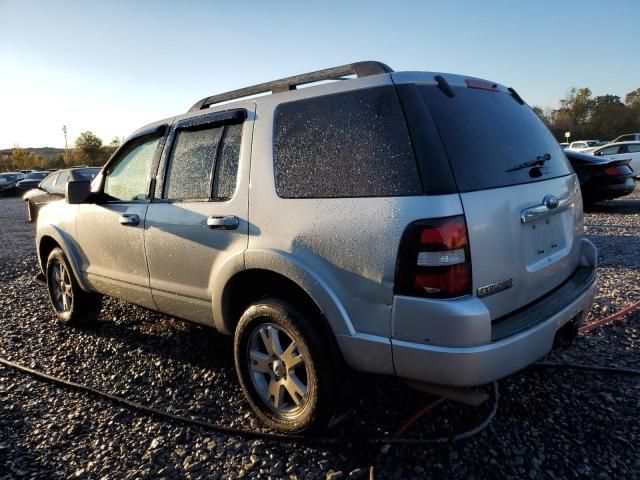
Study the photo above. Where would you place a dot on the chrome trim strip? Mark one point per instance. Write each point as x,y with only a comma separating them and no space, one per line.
540,212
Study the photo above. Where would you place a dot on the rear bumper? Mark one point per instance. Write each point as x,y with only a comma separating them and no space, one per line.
476,365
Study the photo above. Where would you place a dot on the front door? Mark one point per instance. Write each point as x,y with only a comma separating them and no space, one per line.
111,231
199,218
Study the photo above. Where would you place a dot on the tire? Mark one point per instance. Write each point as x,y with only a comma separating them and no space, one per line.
303,376
71,304
31,212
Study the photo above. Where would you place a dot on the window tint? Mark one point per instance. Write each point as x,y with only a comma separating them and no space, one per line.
352,144
191,164
128,178
224,181
487,134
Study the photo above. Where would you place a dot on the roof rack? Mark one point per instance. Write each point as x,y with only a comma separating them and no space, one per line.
359,69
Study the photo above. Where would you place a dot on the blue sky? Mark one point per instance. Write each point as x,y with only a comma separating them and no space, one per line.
111,67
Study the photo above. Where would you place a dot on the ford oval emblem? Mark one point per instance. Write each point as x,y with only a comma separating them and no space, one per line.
551,201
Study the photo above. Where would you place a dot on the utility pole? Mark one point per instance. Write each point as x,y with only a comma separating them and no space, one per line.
64,130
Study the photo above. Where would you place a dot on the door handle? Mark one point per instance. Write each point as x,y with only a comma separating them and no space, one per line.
129,219
228,222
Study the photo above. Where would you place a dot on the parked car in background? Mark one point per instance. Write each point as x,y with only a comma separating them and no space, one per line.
401,253
563,144
52,188
622,151
629,137
584,145
8,182
601,179
31,180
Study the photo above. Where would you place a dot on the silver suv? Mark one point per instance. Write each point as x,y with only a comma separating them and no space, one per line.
415,224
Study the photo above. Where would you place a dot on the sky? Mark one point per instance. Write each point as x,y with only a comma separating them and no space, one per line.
112,67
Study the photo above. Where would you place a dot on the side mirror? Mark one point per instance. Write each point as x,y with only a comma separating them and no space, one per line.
77,191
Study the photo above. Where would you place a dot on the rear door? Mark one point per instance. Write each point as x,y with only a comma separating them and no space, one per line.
199,216
520,197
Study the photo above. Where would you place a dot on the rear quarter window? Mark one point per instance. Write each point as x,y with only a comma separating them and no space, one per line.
487,133
352,144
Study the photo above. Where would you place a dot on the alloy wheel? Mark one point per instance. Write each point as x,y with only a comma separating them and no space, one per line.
278,369
61,287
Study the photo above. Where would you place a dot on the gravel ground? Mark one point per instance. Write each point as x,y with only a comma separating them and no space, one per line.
550,424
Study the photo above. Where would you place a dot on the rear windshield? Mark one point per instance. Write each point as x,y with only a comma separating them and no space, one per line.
487,134
36,176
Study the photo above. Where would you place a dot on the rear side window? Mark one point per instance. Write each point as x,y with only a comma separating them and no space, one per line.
204,163
487,134
633,148
352,144
191,166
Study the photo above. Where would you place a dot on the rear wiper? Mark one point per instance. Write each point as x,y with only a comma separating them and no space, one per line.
538,162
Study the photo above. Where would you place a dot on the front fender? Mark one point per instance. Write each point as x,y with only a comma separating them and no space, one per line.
66,243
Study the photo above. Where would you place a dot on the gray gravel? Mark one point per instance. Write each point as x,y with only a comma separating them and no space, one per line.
551,423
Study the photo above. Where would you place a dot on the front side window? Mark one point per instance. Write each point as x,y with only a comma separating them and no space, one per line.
127,179
350,144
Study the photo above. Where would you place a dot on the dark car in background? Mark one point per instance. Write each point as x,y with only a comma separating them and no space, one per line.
53,186
8,182
31,180
601,179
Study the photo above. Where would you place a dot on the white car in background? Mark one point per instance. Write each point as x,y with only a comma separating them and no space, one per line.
584,145
621,151
629,137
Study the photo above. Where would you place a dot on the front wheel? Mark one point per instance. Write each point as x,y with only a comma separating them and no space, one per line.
71,304
285,366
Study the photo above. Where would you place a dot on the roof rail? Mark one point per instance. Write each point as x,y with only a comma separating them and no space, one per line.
359,69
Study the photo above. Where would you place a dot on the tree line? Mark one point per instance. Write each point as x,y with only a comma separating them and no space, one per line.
88,149
604,117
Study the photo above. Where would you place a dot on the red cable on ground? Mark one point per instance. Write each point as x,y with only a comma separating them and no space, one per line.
409,423
610,318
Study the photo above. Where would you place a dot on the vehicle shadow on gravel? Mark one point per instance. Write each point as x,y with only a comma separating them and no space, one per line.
623,207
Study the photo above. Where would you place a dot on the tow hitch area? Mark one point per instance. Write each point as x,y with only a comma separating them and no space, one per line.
565,334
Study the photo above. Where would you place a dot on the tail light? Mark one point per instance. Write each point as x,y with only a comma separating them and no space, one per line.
434,259
613,171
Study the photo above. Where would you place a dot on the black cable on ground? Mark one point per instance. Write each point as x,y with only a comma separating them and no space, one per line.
237,432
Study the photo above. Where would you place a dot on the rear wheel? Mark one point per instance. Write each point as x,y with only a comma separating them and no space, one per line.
71,304
285,367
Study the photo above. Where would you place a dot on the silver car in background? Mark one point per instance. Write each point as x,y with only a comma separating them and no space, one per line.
422,225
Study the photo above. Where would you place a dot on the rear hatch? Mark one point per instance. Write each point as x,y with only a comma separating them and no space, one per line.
520,197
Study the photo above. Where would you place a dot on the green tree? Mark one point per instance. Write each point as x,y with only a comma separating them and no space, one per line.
88,149
21,159
609,118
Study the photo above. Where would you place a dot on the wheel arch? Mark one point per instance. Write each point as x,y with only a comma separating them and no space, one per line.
273,273
52,238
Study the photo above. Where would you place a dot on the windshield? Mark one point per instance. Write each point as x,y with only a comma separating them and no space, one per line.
36,176
4,179
87,173
488,134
